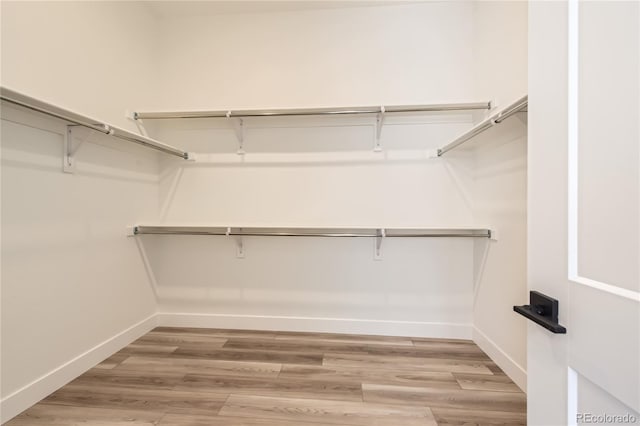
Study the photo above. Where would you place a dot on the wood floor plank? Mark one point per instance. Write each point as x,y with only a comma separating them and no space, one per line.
154,400
223,333
113,361
57,415
455,346
444,350
486,382
345,338
165,338
419,341
194,351
144,349
186,366
445,398
344,391
294,345
404,363
326,412
458,417
129,379
351,374
495,370
190,420
450,351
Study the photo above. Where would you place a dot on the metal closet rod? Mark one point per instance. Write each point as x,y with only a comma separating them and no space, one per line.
494,119
43,107
310,232
313,111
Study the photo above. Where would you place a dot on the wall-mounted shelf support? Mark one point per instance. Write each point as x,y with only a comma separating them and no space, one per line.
313,232
379,123
163,115
68,164
380,113
542,310
24,101
238,126
239,243
380,234
492,120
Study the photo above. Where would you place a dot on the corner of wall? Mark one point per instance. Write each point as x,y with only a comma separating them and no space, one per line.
500,187
515,371
23,398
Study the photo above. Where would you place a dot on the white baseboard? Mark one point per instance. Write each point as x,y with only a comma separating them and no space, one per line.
504,361
320,325
23,398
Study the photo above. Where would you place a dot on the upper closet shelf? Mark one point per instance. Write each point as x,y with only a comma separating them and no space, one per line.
311,232
314,111
76,119
496,118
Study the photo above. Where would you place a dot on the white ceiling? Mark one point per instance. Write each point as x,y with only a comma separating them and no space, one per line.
174,9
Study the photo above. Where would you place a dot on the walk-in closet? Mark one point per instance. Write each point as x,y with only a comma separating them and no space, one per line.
250,213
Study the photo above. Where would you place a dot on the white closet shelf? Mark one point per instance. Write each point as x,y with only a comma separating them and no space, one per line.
518,106
469,106
311,232
76,119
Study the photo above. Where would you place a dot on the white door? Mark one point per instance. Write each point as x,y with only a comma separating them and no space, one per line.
584,210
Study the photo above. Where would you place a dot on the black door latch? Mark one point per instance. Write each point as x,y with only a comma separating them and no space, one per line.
542,310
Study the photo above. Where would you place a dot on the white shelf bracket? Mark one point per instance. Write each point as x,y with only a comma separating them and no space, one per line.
379,123
68,165
238,125
377,253
239,247
69,161
239,244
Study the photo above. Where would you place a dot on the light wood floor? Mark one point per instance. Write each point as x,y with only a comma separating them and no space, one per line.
206,377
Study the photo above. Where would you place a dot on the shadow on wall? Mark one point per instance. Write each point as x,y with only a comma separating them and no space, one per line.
417,280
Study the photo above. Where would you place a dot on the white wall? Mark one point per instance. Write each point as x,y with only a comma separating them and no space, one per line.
500,191
71,279
98,58
500,201
373,55
420,287
500,50
74,288
318,172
